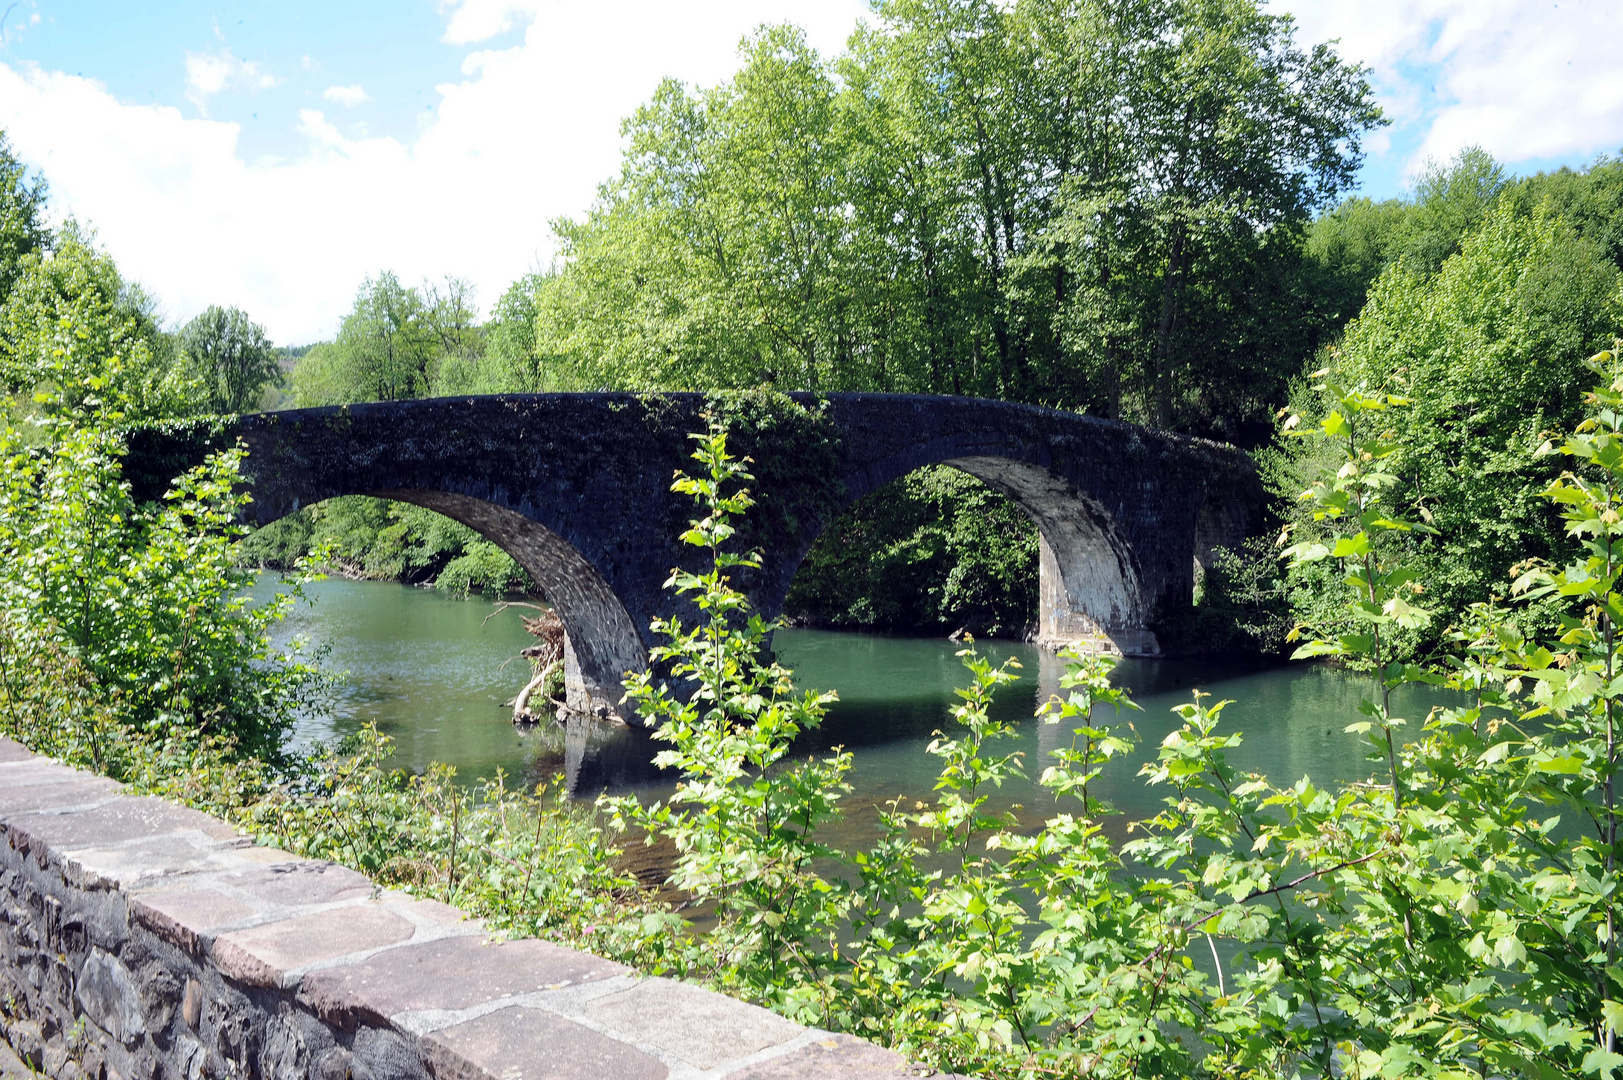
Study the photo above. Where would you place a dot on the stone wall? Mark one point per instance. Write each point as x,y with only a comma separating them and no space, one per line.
141,939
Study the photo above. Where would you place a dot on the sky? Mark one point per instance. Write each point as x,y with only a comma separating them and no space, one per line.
271,156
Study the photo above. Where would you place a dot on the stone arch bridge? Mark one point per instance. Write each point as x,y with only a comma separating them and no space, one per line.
576,487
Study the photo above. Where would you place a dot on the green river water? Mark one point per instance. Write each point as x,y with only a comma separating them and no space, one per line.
435,673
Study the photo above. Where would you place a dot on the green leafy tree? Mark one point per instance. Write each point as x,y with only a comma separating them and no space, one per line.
361,537
1350,246
145,599
501,357
230,355
1095,205
1450,202
388,348
22,216
1588,199
1489,348
1219,137
74,334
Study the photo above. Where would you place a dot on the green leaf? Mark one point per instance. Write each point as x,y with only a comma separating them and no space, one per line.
1351,547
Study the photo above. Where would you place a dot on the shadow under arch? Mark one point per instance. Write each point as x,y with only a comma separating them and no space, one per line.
1090,584
1219,526
600,641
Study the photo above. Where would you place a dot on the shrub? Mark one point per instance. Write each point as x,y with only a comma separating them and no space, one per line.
1437,921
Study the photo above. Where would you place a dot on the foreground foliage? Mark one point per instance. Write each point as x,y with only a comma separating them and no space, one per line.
1453,917
529,862
1488,346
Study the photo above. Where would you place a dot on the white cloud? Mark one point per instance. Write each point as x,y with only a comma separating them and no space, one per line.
347,96
1524,81
473,21
524,137
208,74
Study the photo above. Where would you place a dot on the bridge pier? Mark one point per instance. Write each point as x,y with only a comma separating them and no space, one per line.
1061,621
594,693
1090,589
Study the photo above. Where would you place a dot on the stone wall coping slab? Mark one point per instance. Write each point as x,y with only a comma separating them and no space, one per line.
447,975
274,954
26,771
59,795
144,862
167,943
702,1028
520,1043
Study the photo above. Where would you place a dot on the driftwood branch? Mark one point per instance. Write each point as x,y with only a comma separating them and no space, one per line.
521,704
546,655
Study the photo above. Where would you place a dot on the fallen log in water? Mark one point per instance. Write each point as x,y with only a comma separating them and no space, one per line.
547,656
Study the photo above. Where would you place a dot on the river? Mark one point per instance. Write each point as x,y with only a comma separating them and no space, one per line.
434,673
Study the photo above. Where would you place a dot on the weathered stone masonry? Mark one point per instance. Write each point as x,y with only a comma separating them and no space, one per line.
144,940
576,487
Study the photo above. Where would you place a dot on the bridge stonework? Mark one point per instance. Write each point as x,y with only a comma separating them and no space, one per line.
576,487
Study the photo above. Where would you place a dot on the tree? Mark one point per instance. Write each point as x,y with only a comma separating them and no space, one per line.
22,216
388,347
231,356
1206,138
74,331
146,600
1450,202
1589,199
1490,348
511,361
1095,204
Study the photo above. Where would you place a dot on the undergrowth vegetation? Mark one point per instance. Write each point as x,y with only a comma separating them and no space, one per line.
936,550
1454,916
362,537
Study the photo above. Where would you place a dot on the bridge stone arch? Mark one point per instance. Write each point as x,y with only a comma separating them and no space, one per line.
576,487
1090,588
598,633
1125,513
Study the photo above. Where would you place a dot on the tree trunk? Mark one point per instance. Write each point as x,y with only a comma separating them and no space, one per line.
1171,286
521,704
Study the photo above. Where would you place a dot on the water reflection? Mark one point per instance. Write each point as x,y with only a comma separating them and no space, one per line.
435,673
